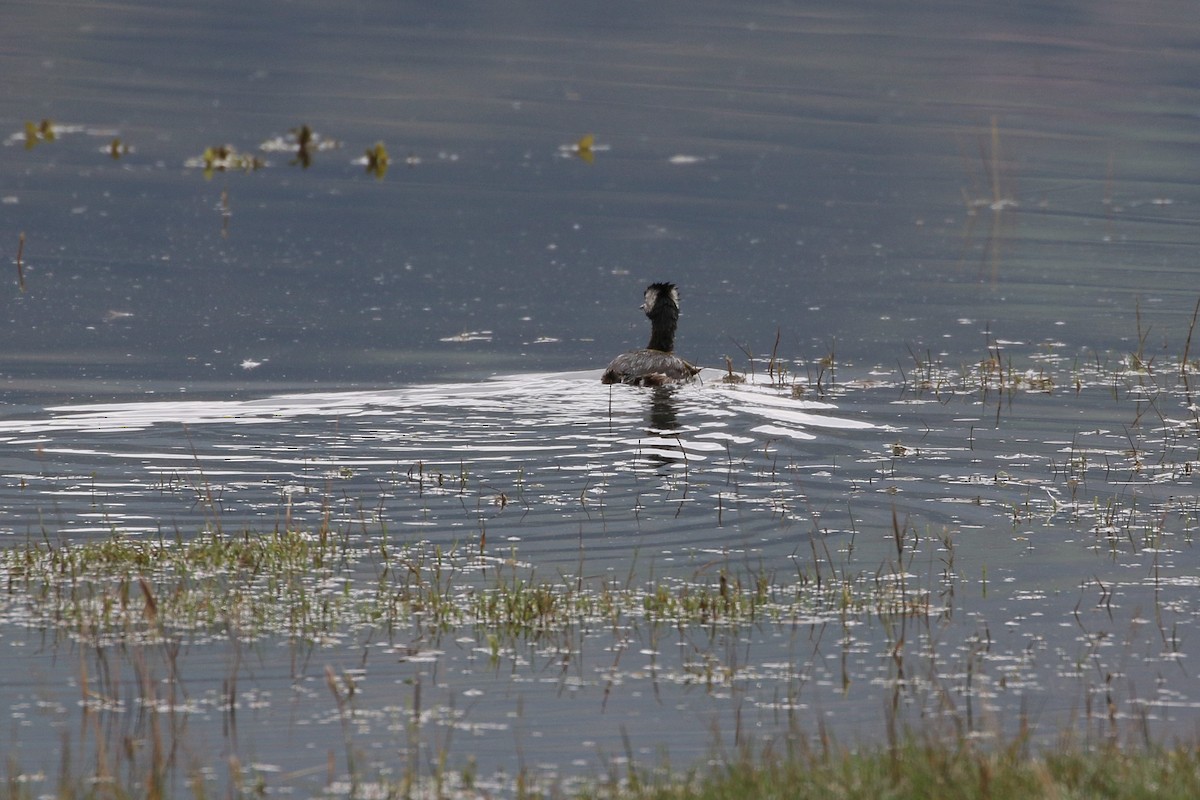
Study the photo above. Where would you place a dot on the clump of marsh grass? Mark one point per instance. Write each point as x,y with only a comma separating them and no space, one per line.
1002,370
785,374
145,601
920,767
310,586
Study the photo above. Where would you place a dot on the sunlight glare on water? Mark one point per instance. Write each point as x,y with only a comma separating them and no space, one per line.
524,436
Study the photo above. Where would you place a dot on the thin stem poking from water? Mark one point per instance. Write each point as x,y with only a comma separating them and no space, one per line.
898,535
205,496
20,269
749,358
1187,347
1142,336
773,370
995,162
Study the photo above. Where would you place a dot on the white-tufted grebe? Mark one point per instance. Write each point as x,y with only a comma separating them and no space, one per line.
655,364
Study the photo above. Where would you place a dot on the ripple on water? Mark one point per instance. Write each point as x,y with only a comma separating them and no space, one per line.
522,456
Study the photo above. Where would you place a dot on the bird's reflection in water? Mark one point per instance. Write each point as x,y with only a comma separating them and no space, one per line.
663,415
662,420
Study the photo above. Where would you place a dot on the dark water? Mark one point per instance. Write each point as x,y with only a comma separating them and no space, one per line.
935,200
834,151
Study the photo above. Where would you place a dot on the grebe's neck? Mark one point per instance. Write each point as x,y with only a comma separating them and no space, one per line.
662,327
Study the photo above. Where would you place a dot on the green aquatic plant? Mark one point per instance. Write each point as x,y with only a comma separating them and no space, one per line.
225,158
309,585
304,146
585,148
377,160
302,142
38,132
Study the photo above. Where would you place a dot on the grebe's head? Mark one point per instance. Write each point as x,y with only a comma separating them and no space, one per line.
659,298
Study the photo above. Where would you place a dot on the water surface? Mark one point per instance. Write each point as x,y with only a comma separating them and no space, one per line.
967,233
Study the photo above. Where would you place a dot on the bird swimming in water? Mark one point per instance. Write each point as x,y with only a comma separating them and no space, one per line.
655,364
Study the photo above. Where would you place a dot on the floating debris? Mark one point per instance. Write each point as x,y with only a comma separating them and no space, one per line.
39,132
469,336
116,148
225,158
584,149
681,158
34,133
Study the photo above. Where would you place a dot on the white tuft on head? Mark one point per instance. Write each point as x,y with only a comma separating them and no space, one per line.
650,299
654,295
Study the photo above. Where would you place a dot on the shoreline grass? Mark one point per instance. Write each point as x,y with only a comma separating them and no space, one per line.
918,768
